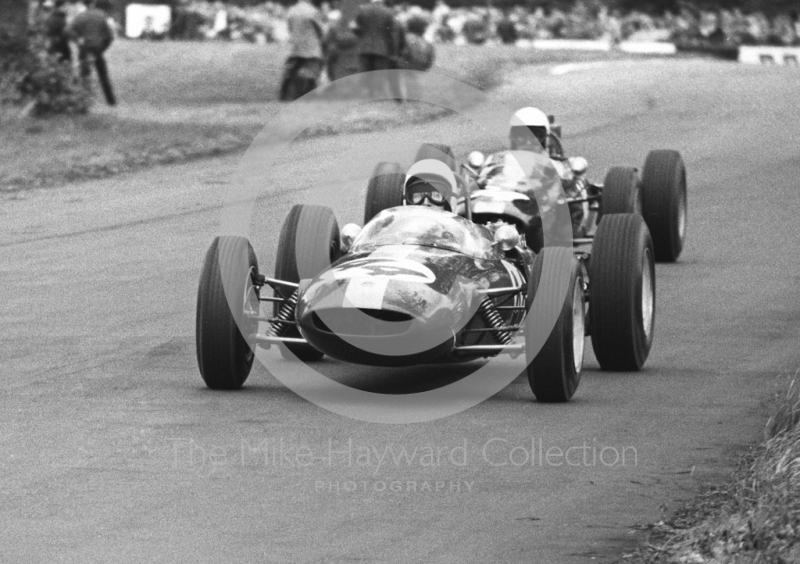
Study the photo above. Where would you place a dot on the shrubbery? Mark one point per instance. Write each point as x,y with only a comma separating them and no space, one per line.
29,74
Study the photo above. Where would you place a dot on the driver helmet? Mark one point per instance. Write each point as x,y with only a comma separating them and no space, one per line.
430,182
527,120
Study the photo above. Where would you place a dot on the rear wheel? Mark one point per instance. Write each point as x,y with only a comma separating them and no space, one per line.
621,192
385,189
554,370
225,297
534,236
437,151
622,287
664,202
308,244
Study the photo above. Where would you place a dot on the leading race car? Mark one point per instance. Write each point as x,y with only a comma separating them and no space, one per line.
420,285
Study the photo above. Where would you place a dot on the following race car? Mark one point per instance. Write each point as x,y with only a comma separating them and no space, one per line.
658,193
420,285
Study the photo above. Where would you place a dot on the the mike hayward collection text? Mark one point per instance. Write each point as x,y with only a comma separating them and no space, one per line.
497,452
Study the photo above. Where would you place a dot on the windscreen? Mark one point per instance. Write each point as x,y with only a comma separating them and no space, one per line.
426,226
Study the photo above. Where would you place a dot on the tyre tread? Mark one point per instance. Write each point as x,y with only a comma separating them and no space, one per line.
614,282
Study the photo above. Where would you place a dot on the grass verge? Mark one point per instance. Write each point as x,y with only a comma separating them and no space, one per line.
181,101
755,517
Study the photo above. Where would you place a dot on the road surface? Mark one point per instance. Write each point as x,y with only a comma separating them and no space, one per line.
114,451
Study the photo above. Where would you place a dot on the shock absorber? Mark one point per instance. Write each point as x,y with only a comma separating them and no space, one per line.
284,321
491,317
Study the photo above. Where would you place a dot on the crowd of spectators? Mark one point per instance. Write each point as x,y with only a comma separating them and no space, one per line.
588,19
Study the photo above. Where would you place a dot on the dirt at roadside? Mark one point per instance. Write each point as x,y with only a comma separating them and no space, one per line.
753,517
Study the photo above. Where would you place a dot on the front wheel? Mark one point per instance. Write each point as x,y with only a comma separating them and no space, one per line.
621,193
385,189
226,303
554,370
622,292
664,202
308,244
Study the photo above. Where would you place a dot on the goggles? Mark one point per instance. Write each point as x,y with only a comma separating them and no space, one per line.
417,197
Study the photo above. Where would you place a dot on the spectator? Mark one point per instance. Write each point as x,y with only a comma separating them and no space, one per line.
306,60
507,30
73,8
381,41
419,54
93,34
783,28
220,28
58,40
341,49
794,17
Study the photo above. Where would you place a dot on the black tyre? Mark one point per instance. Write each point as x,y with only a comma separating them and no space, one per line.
226,290
437,151
293,89
621,192
534,236
554,370
385,189
308,244
664,202
622,298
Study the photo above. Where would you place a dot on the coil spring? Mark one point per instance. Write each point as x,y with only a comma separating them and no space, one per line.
491,317
285,314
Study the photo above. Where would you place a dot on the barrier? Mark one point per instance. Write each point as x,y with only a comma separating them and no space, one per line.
571,44
764,54
648,47
639,47
146,19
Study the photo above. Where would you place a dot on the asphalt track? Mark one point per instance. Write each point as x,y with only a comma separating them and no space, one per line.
114,451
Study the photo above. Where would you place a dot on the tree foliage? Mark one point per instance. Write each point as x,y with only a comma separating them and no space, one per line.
29,73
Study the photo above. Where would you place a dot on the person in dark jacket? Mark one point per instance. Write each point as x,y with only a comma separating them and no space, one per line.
507,30
93,34
341,49
58,40
306,58
381,41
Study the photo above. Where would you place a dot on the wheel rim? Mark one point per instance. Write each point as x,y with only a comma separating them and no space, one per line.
578,327
251,308
637,201
682,215
647,295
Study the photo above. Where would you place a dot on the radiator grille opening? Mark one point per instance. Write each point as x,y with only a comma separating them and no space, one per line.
361,321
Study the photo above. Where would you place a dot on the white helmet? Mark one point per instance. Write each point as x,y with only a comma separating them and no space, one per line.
434,177
530,117
535,121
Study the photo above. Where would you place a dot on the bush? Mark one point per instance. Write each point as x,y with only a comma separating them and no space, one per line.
31,74
475,32
417,25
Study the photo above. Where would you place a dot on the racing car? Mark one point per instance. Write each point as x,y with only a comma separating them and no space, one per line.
418,285
658,194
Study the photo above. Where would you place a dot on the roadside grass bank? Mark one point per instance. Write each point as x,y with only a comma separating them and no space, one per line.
755,516
184,100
